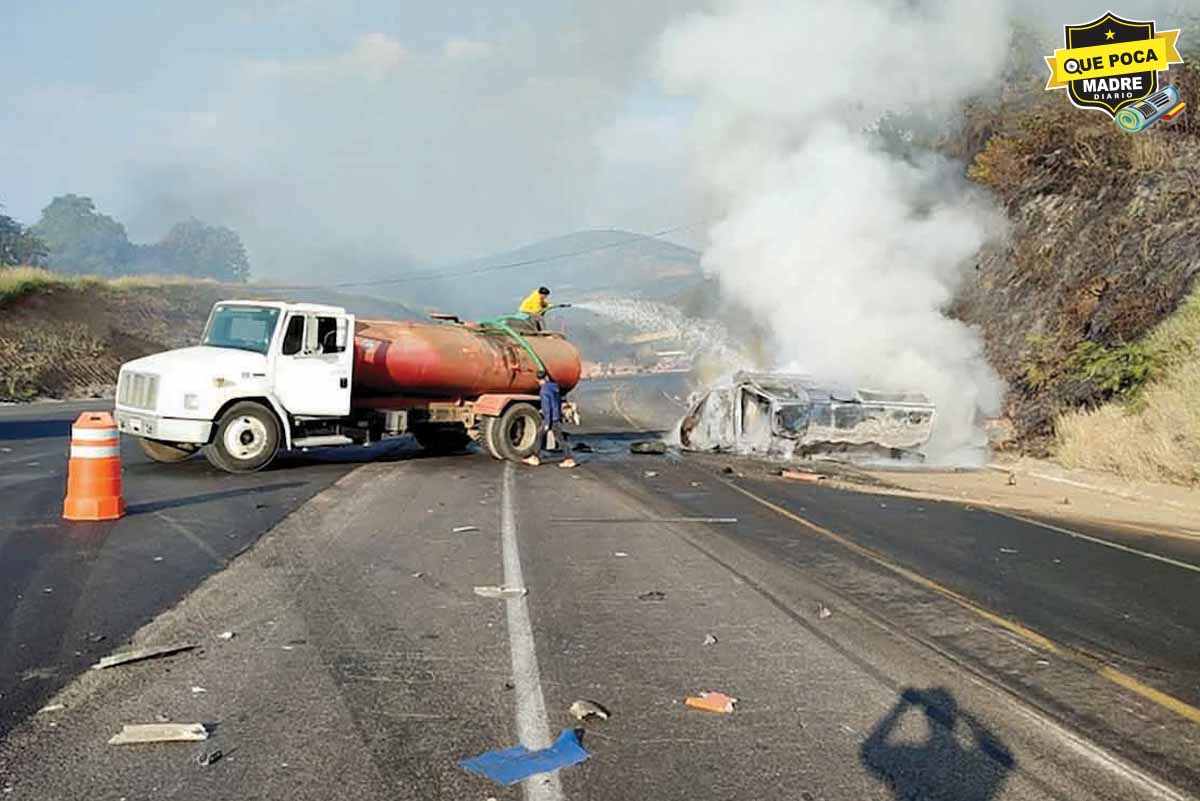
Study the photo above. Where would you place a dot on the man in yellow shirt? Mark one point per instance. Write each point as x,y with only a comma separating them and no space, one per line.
534,306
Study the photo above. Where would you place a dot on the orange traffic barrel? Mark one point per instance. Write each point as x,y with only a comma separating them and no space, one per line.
94,470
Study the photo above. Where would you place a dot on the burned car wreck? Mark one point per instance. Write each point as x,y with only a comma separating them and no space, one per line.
792,416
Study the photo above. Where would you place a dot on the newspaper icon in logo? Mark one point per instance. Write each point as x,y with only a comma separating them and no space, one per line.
1112,64
1164,105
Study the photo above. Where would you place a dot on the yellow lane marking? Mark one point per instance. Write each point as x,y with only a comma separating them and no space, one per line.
1168,702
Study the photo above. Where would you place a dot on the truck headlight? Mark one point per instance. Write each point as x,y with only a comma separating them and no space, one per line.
191,402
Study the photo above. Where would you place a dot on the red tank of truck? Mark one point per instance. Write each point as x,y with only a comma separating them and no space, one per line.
449,360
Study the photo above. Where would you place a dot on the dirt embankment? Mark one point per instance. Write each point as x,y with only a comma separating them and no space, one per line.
66,337
69,341
1103,245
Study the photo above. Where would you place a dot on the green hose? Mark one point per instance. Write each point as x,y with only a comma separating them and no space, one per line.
501,324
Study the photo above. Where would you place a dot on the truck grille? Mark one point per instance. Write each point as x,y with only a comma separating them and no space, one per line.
137,390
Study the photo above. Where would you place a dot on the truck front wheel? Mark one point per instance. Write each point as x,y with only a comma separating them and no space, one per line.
166,452
246,439
514,434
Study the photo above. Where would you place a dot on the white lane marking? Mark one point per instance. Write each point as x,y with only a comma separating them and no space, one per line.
533,727
1106,543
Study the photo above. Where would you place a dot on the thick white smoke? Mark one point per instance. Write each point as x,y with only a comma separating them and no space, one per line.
850,252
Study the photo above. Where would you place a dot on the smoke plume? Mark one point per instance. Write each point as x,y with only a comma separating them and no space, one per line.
849,249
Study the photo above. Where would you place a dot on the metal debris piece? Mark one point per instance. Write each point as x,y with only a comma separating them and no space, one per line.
125,657
501,593
52,708
197,689
650,447
134,733
1008,550
711,701
588,709
620,553
710,639
418,574
225,635
464,529
650,473
653,595
823,611
209,757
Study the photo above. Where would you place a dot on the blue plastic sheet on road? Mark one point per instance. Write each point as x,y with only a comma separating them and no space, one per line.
514,764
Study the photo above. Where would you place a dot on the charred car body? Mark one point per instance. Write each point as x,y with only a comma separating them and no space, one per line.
793,416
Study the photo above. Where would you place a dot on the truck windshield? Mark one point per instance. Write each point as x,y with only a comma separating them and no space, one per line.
241,327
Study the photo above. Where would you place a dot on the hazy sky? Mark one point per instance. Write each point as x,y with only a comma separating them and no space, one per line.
344,136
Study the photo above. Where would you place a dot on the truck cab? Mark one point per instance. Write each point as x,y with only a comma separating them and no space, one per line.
261,371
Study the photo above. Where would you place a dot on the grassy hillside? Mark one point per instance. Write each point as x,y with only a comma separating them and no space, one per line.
66,336
1155,434
1103,245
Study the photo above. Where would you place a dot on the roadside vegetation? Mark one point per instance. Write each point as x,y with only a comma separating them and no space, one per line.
1088,305
1154,432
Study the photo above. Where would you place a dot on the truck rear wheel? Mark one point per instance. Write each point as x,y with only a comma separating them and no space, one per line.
166,452
514,434
442,439
246,439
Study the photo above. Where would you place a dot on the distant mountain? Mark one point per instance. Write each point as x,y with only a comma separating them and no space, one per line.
574,266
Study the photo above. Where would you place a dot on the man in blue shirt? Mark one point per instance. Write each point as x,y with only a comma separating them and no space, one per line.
551,398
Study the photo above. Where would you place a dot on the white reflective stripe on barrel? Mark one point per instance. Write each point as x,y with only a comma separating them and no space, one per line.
94,451
93,434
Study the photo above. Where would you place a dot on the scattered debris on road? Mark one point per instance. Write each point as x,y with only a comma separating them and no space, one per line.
512,765
653,595
209,758
824,612
620,554
710,639
464,529
134,733
197,689
225,635
650,447
583,710
1008,550
52,708
501,593
711,701
125,657
418,574
650,473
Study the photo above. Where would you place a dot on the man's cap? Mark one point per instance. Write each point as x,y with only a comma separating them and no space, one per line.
543,290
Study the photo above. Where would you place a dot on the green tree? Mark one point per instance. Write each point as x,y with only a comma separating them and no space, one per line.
18,245
81,240
205,251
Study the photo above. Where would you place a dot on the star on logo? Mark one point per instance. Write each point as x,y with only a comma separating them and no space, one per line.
1109,34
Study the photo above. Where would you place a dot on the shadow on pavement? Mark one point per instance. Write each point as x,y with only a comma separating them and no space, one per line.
959,759
34,429
188,500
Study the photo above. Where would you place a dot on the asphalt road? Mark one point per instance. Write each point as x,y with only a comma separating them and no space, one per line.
72,592
880,647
